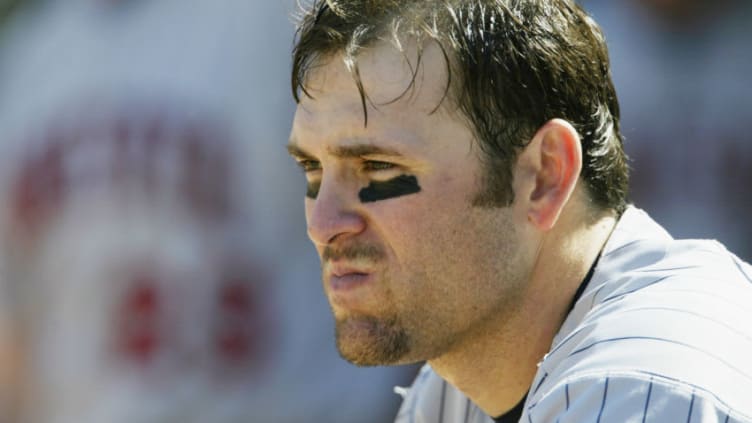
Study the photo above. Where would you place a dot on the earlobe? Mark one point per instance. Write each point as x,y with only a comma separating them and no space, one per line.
557,157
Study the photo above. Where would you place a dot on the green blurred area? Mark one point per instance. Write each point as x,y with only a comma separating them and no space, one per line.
7,7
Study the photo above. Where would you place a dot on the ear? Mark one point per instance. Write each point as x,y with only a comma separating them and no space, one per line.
549,168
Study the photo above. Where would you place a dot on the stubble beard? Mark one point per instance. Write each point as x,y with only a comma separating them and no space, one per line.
369,341
365,340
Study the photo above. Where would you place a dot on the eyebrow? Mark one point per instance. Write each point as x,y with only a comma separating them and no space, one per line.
346,151
297,152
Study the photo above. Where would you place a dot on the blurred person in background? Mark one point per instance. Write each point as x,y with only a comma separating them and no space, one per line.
152,260
11,363
682,69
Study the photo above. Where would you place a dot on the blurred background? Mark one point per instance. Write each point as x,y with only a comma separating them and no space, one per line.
153,259
682,73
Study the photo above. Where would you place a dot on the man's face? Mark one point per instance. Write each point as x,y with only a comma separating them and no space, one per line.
411,269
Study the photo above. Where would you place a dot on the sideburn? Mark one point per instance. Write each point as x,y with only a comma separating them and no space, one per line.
496,186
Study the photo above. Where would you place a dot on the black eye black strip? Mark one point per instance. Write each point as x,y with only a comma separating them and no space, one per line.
312,189
395,187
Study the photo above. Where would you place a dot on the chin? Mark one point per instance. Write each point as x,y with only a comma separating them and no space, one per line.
368,341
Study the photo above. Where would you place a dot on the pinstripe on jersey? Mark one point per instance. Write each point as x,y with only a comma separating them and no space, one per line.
662,333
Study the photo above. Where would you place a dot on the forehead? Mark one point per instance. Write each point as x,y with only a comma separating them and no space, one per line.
405,97
388,74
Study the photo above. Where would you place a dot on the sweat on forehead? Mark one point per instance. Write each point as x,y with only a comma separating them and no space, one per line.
416,77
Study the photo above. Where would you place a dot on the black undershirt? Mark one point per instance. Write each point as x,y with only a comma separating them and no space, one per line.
513,415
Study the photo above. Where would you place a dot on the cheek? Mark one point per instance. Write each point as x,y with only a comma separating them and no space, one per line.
399,224
418,227
422,226
402,213
431,202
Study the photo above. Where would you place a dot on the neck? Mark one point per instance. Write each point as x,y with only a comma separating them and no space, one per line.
495,367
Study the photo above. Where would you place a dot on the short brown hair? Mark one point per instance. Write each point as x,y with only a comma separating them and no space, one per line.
513,65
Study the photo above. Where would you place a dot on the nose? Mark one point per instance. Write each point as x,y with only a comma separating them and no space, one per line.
333,213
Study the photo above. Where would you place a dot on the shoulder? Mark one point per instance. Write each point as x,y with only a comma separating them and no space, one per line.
629,396
662,318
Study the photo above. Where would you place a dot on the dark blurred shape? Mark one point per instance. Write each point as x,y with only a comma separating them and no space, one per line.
7,7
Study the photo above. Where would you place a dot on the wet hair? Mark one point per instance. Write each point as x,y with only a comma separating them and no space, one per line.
512,66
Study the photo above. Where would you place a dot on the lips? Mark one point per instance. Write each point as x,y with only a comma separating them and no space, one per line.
345,277
340,270
350,287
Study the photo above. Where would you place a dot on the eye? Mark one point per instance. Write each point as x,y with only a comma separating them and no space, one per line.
375,165
309,165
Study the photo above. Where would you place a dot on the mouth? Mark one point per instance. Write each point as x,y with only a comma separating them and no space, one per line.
351,285
352,291
346,278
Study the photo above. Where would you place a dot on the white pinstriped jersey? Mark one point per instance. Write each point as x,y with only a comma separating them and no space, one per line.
662,333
